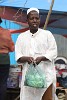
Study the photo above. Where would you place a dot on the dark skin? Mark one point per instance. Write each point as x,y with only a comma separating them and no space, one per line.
33,20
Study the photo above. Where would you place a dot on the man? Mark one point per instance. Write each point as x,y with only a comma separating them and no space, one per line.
36,45
6,46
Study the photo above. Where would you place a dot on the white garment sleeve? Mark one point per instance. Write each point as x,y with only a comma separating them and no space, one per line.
51,52
18,49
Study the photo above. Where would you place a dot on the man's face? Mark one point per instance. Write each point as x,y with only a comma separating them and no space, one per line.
33,20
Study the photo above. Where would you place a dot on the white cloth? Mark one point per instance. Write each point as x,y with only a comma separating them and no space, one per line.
42,43
31,9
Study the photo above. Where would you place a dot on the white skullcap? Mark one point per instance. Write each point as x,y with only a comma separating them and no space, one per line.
31,9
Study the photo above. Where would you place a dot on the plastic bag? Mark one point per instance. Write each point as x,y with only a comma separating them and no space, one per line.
35,77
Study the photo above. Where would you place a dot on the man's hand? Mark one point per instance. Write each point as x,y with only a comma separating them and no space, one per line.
26,59
39,59
30,60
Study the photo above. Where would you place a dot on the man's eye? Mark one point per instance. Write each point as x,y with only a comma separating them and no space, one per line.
34,18
31,18
37,18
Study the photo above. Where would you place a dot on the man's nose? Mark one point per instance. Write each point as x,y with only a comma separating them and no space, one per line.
34,20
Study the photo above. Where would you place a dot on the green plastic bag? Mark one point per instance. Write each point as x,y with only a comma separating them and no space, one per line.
35,77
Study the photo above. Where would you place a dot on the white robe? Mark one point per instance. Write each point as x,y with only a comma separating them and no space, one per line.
42,43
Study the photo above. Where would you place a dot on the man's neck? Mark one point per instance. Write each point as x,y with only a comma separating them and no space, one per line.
33,31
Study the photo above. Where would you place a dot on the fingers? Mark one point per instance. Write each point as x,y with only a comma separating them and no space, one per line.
38,60
30,60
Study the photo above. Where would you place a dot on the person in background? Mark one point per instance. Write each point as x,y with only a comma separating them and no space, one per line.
6,46
37,45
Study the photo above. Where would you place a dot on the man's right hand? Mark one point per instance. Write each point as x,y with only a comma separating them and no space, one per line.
26,59
30,59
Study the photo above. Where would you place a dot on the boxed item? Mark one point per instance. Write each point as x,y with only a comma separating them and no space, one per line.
13,79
